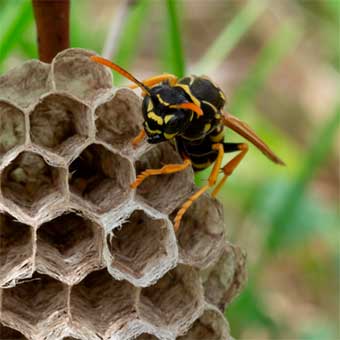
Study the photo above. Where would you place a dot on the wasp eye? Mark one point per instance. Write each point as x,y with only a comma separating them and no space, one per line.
173,125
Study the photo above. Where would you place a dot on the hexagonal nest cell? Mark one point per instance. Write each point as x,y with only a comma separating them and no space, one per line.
211,325
119,120
75,73
175,301
31,183
7,333
12,127
130,255
69,247
59,123
36,304
24,84
223,280
16,248
172,189
100,178
201,233
101,304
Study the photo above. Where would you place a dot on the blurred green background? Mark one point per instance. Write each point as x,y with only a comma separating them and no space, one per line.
278,63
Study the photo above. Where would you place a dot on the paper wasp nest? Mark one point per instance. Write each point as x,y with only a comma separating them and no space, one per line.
81,255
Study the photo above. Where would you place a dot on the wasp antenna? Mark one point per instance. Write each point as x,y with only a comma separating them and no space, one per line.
121,71
189,106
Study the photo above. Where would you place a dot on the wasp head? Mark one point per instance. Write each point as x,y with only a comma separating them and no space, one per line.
167,113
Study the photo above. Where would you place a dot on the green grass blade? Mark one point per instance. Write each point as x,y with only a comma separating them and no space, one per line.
283,42
15,18
318,153
230,36
175,55
127,44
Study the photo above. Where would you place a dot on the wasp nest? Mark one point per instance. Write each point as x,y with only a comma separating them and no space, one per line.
82,256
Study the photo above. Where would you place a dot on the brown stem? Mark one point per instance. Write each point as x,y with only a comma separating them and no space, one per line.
52,21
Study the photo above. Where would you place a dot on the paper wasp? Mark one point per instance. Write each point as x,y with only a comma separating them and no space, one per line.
189,113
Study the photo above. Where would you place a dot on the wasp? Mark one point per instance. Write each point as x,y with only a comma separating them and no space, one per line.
188,112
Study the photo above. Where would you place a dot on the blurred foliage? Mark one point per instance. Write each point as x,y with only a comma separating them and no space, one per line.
286,218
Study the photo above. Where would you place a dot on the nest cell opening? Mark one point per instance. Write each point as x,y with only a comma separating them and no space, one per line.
74,72
68,246
26,83
12,127
35,300
15,244
120,119
31,183
164,192
174,300
139,244
7,333
211,325
103,303
146,336
201,233
100,178
59,123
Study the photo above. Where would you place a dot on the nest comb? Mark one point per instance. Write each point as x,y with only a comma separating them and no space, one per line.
81,255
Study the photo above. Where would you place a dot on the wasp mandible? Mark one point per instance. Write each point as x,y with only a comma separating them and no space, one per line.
189,113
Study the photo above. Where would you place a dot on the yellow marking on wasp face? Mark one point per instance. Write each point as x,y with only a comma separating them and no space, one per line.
147,127
162,101
191,80
218,115
150,105
201,165
156,118
209,104
167,118
222,95
187,90
169,135
207,127
217,138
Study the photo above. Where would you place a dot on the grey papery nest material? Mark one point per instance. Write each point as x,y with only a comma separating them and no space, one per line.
82,256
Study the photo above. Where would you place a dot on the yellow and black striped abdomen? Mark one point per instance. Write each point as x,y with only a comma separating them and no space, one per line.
200,151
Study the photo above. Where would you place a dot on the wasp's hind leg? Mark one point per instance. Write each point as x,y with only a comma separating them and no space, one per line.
166,169
157,79
232,164
211,181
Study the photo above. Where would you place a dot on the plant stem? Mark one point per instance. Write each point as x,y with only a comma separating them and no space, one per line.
52,21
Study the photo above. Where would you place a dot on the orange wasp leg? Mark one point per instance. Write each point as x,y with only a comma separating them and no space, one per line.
166,169
157,79
229,168
211,181
138,138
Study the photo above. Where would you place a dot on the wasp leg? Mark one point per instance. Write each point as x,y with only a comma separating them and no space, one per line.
157,79
231,165
211,181
138,138
166,169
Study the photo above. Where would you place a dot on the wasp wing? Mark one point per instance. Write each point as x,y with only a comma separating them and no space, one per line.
245,131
